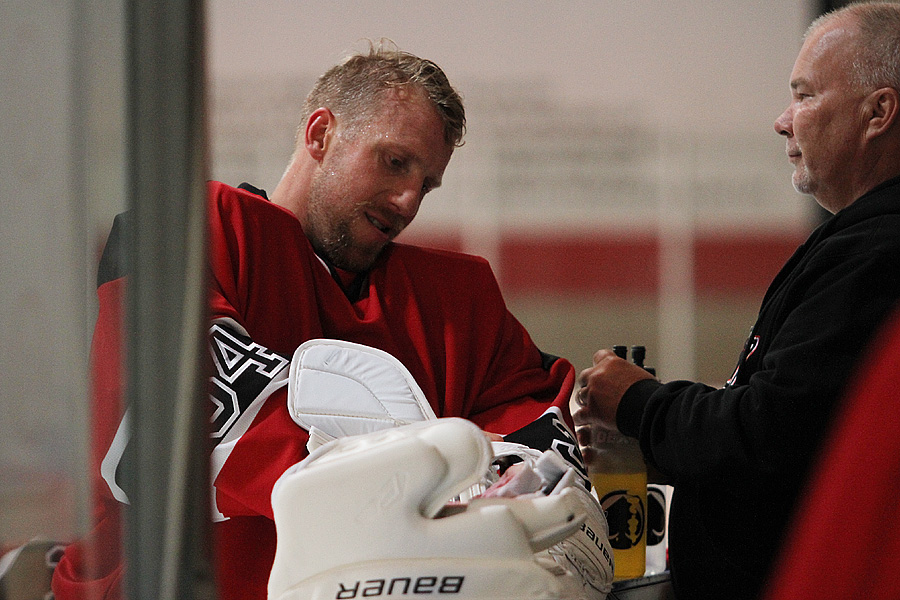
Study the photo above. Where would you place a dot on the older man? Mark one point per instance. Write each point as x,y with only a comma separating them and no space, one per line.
738,456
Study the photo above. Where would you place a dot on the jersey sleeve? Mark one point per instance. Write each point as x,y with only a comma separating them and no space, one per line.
255,438
259,316
91,567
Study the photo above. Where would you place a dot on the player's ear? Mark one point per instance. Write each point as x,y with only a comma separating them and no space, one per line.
319,130
882,107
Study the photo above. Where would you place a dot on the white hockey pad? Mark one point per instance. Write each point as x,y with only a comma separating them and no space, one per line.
339,388
362,517
586,553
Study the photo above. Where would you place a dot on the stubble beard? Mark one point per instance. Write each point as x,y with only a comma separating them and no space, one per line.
330,232
801,182
800,178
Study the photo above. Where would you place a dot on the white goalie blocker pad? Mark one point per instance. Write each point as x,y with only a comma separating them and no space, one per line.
339,388
368,517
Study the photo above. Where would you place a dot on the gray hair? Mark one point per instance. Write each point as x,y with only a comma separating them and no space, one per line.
877,57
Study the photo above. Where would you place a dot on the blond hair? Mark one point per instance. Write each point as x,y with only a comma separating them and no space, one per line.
354,89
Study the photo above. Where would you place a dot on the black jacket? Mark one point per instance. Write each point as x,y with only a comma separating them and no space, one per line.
738,456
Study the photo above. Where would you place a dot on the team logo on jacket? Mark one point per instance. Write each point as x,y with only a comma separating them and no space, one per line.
243,369
750,347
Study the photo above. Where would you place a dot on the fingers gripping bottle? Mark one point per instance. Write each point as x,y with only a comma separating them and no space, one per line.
619,477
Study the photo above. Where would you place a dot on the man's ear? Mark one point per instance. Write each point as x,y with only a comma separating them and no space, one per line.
883,106
319,131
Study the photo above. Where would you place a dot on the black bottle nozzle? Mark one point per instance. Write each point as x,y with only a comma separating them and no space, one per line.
638,353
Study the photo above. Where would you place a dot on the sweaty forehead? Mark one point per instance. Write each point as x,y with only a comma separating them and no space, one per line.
406,100
411,119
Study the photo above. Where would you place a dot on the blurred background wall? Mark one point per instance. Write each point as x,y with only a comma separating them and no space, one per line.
620,172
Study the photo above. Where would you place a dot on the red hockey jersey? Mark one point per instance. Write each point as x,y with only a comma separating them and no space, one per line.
440,313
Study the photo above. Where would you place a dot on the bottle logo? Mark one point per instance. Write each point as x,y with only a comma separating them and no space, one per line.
656,515
626,518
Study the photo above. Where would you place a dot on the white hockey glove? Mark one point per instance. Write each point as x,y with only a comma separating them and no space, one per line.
366,517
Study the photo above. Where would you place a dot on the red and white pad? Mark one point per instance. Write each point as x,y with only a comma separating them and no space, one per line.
367,516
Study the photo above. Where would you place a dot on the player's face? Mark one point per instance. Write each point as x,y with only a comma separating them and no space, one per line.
823,122
371,181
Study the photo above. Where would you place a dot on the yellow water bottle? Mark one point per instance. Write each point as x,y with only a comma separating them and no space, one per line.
619,476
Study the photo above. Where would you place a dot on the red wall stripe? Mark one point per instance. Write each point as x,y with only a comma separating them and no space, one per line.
579,265
617,264
741,265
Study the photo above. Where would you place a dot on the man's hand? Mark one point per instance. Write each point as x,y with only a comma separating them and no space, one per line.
603,386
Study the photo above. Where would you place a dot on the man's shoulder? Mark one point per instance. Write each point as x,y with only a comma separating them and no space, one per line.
438,269
437,257
224,198
446,280
224,193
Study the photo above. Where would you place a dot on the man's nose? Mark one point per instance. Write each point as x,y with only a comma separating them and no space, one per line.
406,200
784,123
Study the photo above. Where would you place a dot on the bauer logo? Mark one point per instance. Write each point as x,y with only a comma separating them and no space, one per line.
626,517
401,587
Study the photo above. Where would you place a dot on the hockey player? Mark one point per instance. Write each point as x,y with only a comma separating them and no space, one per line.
319,261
